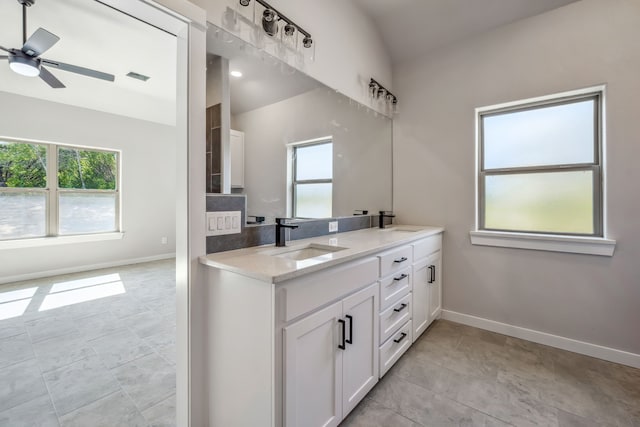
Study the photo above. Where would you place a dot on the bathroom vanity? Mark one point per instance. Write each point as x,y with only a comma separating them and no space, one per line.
298,335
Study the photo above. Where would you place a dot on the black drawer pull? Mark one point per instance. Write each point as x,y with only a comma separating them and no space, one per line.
400,277
350,340
342,346
399,260
402,307
403,336
432,274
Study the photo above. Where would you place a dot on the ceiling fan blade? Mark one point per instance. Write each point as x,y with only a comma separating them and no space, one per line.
50,79
79,70
4,48
39,42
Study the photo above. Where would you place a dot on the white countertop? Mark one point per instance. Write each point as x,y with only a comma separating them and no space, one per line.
260,263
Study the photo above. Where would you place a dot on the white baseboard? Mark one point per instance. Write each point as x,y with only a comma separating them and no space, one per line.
593,350
85,267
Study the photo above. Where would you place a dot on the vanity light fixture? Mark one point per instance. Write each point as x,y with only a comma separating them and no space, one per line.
270,22
270,19
377,91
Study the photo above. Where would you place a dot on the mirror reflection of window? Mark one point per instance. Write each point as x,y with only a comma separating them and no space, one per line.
313,179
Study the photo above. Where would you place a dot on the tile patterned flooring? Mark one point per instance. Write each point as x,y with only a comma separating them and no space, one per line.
456,375
90,349
110,361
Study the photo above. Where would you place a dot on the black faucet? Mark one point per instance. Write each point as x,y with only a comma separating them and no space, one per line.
383,215
281,239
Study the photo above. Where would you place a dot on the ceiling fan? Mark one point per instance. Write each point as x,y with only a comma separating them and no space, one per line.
27,60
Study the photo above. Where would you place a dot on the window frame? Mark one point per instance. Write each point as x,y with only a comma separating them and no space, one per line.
294,165
596,244
53,191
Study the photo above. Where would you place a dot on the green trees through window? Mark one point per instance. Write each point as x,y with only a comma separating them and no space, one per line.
23,165
84,169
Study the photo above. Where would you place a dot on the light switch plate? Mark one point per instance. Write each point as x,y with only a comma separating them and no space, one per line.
223,222
333,226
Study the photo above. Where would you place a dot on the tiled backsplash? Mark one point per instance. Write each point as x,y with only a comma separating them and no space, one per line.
256,235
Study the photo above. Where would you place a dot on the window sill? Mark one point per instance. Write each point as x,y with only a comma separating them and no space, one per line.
544,242
59,240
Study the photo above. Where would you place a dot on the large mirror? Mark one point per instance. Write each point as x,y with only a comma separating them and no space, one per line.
296,147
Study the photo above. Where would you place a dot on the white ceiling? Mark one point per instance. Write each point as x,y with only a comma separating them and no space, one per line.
98,37
95,36
411,28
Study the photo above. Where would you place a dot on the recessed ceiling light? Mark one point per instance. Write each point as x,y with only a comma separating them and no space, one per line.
236,73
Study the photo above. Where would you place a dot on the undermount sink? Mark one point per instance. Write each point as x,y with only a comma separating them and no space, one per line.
310,251
408,229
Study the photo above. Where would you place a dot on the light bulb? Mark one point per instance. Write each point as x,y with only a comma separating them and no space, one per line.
25,66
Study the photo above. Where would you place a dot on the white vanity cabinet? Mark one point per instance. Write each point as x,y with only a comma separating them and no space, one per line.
427,284
331,360
290,346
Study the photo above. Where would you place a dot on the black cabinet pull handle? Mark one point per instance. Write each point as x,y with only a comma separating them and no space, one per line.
402,307
399,260
400,277
350,340
342,346
431,268
433,274
403,336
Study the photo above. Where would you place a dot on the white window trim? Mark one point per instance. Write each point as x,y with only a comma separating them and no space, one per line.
545,242
33,242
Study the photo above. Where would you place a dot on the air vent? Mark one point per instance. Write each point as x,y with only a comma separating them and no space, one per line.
138,76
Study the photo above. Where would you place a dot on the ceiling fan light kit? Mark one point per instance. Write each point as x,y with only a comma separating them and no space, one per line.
26,61
25,65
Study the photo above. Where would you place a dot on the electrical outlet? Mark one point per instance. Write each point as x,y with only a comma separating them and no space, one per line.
163,240
333,226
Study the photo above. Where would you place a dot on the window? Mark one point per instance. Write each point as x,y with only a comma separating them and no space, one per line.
312,179
540,167
55,190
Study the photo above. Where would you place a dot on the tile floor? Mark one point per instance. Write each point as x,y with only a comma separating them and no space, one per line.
90,349
98,349
455,375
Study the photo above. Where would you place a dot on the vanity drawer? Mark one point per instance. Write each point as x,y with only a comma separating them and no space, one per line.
394,317
425,247
395,260
394,287
395,347
306,293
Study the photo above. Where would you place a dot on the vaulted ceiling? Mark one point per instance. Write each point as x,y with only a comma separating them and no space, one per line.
412,28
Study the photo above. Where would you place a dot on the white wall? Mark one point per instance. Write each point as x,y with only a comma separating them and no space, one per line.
148,182
587,298
361,152
349,50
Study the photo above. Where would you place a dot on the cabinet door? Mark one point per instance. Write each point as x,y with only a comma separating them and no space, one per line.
313,369
236,143
421,295
435,287
360,360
